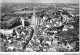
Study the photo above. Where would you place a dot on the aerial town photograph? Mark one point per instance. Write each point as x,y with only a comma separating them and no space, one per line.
39,27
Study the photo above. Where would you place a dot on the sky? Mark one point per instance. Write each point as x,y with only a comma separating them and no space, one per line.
39,1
